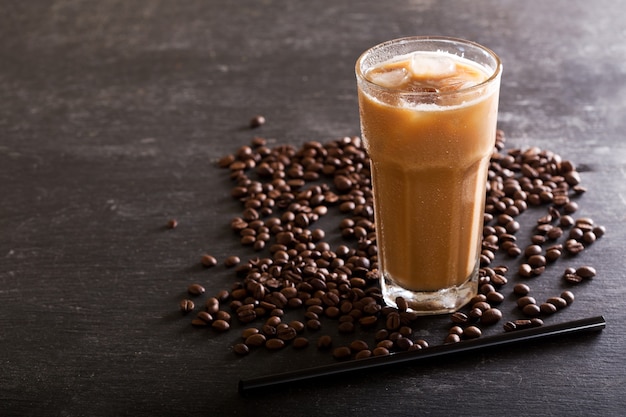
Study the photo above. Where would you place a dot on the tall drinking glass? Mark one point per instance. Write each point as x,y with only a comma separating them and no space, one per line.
428,108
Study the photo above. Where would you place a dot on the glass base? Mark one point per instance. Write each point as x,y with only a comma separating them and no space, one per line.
447,300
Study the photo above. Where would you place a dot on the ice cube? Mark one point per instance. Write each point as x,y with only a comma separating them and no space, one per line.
389,79
432,66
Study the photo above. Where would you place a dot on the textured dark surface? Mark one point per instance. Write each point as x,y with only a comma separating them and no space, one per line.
112,116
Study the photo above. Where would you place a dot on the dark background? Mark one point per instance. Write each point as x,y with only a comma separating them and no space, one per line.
112,117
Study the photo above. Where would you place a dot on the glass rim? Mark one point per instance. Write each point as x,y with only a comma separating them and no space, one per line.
497,71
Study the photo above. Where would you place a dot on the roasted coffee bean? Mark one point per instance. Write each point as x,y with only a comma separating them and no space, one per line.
471,332
368,321
258,141
599,231
294,302
459,317
372,308
403,343
558,302
506,237
589,237
239,294
208,260
477,299
570,207
554,233
248,240
568,296
532,250
206,317
212,305
499,280
523,301
560,200
475,314
531,310
521,289
268,330
525,270
358,345
310,315
313,324
576,233
222,295
452,338
231,261
201,321
547,308
501,269
249,332
172,224
570,270
330,299
222,315
393,321
482,305
286,333
246,313
405,331
381,334
538,239
346,306
241,349
314,305
494,297
257,121
486,288
342,353
220,325
456,330
514,251
512,226
332,312
346,327
274,344
522,323
537,261
300,342
297,325
186,306
566,221
380,351
573,246
401,304
324,342
491,316
363,354
586,272
195,289
509,326
278,299
553,254
572,278
421,342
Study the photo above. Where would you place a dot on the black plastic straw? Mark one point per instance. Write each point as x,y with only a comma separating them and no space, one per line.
249,386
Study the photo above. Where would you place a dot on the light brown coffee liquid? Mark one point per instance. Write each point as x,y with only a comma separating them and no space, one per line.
429,161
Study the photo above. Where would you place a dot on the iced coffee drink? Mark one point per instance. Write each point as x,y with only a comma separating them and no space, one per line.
428,110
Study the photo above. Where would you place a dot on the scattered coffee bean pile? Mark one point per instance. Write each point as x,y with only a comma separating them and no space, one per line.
284,191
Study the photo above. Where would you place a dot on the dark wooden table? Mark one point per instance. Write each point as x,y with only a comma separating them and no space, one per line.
113,115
